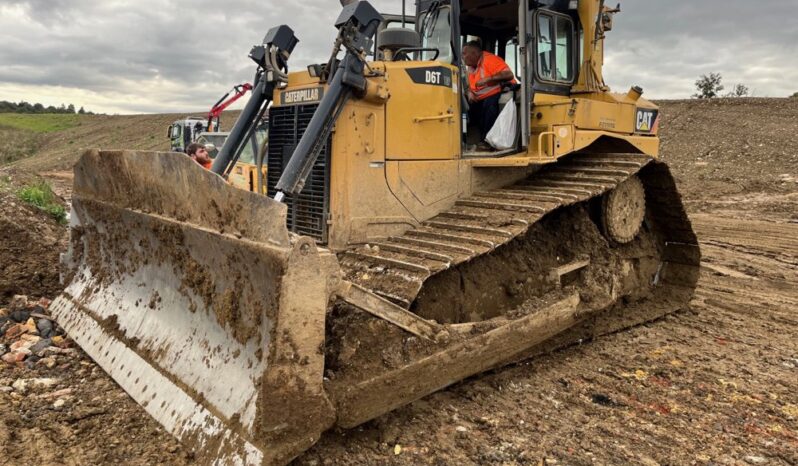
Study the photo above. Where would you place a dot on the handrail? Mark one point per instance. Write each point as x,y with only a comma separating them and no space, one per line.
434,118
417,49
540,143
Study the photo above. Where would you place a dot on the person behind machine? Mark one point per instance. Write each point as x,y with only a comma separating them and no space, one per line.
199,154
486,74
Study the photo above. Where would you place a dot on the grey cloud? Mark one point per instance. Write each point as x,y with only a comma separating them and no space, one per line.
199,45
666,46
49,12
183,54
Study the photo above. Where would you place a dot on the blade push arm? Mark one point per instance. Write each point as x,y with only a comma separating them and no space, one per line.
272,61
356,25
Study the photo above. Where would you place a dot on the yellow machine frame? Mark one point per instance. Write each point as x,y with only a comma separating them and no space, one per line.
397,160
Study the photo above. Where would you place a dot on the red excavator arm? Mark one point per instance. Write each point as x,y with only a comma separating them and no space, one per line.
216,111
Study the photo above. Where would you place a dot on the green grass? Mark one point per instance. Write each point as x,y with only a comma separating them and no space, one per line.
16,144
39,123
41,195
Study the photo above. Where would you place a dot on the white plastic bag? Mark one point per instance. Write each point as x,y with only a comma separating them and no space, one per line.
502,135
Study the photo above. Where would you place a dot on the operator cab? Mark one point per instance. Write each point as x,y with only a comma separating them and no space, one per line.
544,60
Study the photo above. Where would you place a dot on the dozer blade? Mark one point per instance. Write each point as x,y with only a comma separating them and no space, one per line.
195,298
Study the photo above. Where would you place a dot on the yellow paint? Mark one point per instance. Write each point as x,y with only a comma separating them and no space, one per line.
244,176
426,126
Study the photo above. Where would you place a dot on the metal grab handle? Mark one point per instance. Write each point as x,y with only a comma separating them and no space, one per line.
405,50
540,144
445,116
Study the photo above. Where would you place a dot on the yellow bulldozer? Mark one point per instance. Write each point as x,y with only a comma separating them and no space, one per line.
391,257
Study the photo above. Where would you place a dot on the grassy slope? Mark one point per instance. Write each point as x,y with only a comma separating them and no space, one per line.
59,149
39,123
23,135
16,144
62,148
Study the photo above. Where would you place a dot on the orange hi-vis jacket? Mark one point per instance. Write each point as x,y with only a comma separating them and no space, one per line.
489,65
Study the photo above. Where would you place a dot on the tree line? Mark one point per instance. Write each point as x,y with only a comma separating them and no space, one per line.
27,107
711,85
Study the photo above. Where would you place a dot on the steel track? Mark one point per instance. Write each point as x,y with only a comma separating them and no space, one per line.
398,267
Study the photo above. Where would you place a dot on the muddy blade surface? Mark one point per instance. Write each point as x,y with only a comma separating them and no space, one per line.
193,296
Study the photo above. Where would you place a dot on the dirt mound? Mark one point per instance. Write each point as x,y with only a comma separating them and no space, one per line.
31,243
727,147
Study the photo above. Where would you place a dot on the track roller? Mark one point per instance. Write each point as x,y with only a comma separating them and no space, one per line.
622,211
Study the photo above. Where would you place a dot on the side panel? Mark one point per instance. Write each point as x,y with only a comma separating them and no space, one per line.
590,114
425,187
415,133
423,114
561,125
362,206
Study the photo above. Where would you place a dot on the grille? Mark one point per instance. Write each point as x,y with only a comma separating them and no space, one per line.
307,211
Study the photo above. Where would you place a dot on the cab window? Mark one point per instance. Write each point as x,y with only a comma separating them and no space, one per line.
247,155
545,66
511,55
435,29
555,36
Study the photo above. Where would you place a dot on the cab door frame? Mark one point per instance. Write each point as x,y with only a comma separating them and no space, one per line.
527,90
526,51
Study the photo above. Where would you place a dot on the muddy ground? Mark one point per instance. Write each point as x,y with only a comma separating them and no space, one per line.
714,384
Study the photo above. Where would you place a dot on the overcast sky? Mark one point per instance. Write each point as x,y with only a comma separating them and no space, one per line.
144,56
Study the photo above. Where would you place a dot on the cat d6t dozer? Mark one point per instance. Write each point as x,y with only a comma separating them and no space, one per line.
391,257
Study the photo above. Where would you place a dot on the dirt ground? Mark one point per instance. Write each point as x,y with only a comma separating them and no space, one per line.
31,243
714,384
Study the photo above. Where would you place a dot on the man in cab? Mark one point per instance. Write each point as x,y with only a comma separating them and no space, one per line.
486,74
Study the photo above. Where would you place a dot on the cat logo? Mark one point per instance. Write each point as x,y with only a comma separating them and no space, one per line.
646,121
